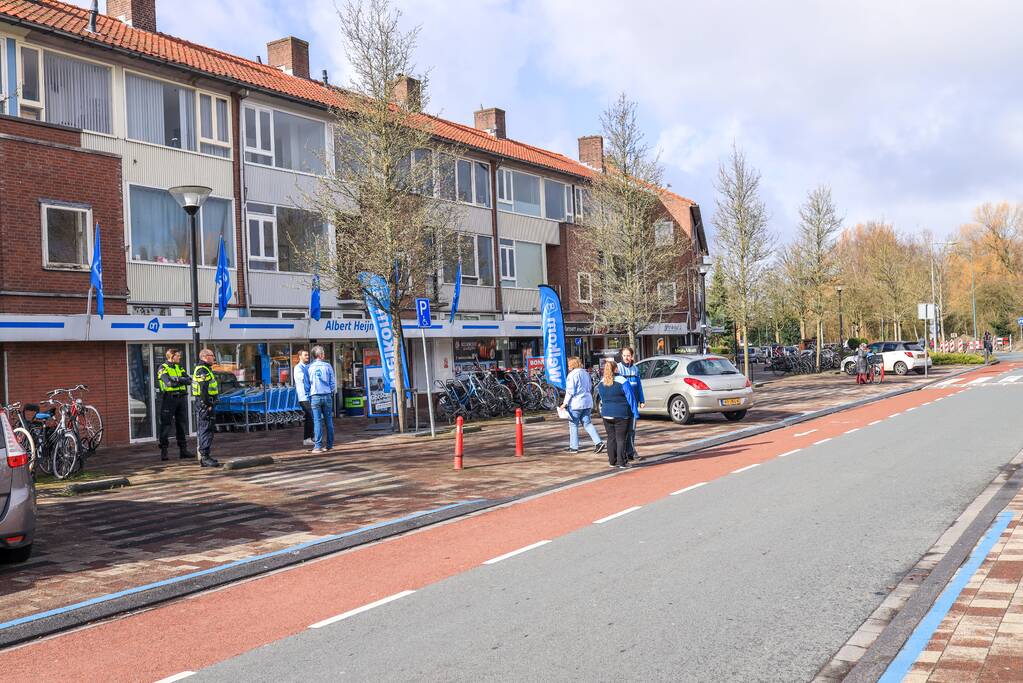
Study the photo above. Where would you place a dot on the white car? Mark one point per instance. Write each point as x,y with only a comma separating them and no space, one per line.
900,357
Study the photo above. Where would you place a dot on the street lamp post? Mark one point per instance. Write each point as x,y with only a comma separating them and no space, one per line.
191,199
841,326
704,268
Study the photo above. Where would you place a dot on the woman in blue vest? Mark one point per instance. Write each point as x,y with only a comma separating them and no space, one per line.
619,409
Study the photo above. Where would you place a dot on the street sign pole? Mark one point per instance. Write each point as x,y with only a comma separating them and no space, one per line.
423,311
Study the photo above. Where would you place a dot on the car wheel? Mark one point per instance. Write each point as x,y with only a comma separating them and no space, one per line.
16,555
678,410
900,368
735,415
850,368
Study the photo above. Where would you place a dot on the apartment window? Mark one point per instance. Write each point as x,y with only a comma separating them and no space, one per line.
298,143
482,184
78,93
477,255
31,91
555,204
159,228
464,179
667,293
664,233
585,283
259,136
214,126
160,112
583,203
528,264
422,162
280,236
519,192
67,240
507,260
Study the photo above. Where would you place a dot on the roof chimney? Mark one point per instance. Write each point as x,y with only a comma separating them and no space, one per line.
591,151
290,55
139,14
492,121
408,92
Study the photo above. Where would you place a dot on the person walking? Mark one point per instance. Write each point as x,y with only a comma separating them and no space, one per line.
989,347
172,403
619,410
205,391
579,404
300,374
322,385
862,364
628,370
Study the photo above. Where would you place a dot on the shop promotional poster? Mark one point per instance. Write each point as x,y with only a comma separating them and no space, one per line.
553,325
384,328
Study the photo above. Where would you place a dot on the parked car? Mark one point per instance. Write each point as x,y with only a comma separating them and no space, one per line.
17,499
756,355
900,357
682,386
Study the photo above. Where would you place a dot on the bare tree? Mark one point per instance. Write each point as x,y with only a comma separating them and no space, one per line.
378,193
640,261
743,238
819,226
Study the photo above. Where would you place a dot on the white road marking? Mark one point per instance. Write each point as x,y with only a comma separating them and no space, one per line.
360,610
747,467
790,453
894,415
940,398
946,383
818,443
928,403
617,514
909,409
176,677
979,380
1011,379
688,488
516,552
875,422
805,433
855,429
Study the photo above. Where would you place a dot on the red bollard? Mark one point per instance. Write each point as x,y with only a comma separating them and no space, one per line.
458,443
520,448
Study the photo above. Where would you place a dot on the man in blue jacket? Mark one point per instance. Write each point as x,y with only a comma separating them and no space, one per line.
322,385
630,372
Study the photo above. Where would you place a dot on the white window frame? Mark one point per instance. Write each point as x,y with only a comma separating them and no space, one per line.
129,246
569,203
40,105
263,220
78,208
214,141
505,183
507,257
661,286
328,143
667,240
23,102
588,299
475,261
198,113
508,203
436,156
258,150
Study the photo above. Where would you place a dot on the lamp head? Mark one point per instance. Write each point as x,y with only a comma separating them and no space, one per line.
190,197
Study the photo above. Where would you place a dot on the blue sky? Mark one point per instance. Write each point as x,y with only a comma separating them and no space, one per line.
907,109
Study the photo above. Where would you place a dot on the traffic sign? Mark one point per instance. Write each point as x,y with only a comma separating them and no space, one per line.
423,311
1020,322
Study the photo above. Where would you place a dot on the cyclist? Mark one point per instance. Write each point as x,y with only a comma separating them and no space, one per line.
173,403
205,391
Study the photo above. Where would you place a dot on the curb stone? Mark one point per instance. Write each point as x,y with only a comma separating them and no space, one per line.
95,485
245,463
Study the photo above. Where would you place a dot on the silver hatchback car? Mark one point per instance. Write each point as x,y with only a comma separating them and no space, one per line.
682,387
17,498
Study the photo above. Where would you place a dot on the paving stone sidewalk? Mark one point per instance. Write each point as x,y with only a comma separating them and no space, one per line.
176,518
981,637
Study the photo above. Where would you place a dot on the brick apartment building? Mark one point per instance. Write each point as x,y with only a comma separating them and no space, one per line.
100,115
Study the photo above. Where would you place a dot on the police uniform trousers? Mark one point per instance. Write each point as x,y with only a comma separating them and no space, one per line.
173,412
205,426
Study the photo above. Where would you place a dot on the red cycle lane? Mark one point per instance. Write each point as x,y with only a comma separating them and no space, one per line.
201,630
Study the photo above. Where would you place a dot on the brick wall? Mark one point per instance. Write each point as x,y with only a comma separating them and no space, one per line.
34,369
49,166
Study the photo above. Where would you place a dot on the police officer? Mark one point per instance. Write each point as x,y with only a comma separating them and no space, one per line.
173,397
205,391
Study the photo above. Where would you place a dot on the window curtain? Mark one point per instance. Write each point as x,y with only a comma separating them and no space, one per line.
78,94
186,114
159,228
528,265
526,191
216,222
145,109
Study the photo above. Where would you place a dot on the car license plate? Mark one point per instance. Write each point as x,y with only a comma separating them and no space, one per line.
731,401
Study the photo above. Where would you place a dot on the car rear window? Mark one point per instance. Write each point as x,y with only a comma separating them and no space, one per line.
914,347
711,366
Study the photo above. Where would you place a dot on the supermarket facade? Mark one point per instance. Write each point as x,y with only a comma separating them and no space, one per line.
95,126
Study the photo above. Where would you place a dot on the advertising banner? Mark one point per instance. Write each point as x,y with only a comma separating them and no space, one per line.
376,289
378,399
552,325
534,365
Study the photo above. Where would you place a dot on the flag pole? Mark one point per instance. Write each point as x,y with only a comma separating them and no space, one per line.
88,315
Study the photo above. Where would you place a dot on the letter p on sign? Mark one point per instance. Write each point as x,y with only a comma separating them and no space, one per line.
423,311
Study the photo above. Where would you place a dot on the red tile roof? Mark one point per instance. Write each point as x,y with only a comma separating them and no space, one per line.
69,19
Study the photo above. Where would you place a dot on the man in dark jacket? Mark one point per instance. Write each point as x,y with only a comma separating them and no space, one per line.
205,391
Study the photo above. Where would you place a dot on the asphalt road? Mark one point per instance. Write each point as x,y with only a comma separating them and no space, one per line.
760,575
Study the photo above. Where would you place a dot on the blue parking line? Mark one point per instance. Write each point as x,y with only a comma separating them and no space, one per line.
916,643
229,565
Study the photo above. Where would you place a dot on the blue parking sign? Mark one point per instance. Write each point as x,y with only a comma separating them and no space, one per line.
423,311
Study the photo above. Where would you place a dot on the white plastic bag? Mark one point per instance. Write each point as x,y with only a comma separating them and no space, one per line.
563,414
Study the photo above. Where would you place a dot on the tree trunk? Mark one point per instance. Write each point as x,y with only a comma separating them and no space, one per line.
820,331
745,352
802,329
399,370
